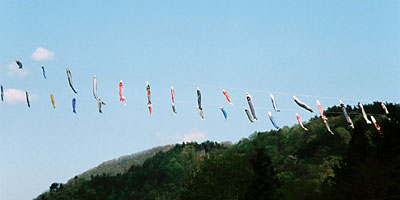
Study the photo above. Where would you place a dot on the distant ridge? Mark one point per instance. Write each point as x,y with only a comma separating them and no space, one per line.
123,163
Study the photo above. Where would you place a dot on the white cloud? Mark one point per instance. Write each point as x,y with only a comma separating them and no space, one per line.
14,71
13,96
42,54
192,136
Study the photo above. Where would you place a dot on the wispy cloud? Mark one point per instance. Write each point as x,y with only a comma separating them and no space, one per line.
13,96
42,54
192,136
13,71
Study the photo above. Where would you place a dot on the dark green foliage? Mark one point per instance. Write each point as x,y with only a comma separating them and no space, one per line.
369,170
55,187
238,173
286,164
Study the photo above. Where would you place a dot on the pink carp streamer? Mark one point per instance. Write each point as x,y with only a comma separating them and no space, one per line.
300,122
99,101
378,128
227,96
121,92
173,99
321,111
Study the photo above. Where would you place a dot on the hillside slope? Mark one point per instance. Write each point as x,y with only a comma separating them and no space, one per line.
122,164
289,163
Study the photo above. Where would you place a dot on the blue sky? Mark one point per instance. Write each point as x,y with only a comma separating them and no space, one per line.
314,50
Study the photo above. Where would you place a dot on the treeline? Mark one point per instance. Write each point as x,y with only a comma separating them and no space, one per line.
286,164
122,164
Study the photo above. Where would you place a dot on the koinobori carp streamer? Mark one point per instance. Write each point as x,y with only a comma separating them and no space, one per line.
346,115
224,112
52,100
73,105
44,72
301,104
327,126
149,98
384,108
272,120
300,122
274,103
250,102
173,100
70,80
378,128
27,98
19,64
121,92
228,98
321,111
364,114
99,101
2,92
248,115
199,103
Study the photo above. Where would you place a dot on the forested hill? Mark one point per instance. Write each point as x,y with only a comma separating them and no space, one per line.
289,163
122,164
